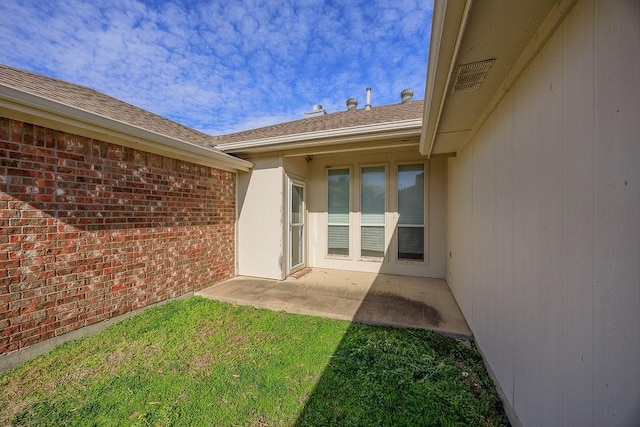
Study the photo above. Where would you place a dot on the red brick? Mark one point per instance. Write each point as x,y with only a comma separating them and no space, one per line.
105,229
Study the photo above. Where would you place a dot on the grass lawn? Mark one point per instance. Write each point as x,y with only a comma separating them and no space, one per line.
196,362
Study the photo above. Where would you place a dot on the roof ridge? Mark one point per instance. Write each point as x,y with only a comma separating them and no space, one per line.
332,121
324,116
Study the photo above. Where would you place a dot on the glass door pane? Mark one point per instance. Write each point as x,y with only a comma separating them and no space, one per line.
296,227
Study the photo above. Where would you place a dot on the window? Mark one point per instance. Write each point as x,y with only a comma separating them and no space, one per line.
338,209
372,208
411,212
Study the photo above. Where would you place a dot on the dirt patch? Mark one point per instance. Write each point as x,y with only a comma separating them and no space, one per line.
200,362
389,307
15,396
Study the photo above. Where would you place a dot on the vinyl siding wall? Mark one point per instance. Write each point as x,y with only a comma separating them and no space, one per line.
544,226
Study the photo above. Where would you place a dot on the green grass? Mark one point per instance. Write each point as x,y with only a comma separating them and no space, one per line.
198,362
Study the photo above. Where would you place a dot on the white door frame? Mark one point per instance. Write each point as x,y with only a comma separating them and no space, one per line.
291,268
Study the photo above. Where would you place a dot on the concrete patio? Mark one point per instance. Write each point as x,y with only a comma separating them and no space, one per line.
370,298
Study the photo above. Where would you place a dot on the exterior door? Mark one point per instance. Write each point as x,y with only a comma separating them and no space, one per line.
296,226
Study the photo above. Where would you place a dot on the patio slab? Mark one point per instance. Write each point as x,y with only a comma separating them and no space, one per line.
370,298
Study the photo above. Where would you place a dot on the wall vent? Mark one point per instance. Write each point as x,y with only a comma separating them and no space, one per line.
470,76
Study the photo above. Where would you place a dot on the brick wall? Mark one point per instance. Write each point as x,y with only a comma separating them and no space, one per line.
91,230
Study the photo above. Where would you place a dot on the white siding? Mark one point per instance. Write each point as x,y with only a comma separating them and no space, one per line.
544,226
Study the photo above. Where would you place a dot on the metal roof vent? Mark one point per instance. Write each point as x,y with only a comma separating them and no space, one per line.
470,76
352,104
318,110
406,95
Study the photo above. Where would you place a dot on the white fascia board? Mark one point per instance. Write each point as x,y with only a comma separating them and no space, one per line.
403,128
26,104
449,20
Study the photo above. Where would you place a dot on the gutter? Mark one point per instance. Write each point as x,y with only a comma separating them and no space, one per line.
444,16
403,128
26,106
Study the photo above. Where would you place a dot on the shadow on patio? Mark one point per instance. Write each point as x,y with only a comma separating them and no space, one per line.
370,298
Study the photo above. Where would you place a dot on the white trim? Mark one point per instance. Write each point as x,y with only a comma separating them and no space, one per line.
540,38
445,17
14,101
440,22
403,128
291,182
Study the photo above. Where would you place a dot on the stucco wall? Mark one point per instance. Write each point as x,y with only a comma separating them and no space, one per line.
295,167
260,219
90,230
544,226
435,265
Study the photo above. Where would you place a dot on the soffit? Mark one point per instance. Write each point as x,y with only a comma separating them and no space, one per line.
493,29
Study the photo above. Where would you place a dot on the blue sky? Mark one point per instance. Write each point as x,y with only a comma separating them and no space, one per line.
222,66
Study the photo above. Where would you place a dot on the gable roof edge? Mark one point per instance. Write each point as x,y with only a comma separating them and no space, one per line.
447,28
18,104
402,128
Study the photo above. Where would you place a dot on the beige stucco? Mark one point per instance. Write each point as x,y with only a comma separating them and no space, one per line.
262,215
260,239
544,226
263,204
295,167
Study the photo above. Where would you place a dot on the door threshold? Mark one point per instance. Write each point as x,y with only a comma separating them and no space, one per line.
298,274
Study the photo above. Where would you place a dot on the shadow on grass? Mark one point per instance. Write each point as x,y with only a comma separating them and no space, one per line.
385,376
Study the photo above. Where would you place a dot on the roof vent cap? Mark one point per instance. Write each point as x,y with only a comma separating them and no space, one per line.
317,110
406,95
352,104
368,105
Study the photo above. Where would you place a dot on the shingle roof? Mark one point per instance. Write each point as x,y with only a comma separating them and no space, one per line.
339,120
92,101
95,102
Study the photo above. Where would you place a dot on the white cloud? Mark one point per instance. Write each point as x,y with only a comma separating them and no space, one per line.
220,65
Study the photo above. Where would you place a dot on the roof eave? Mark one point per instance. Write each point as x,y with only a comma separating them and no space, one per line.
447,29
19,104
397,129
